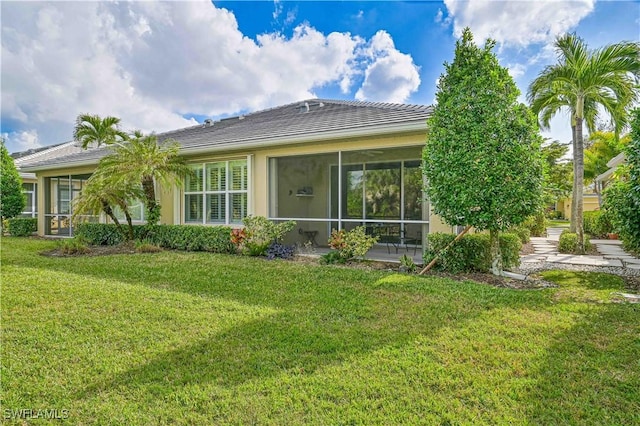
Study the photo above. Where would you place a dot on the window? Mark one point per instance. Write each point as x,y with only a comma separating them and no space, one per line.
30,206
136,211
217,193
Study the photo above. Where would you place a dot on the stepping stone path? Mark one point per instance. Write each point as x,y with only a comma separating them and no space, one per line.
611,253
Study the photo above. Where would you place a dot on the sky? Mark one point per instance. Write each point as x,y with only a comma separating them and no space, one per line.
166,65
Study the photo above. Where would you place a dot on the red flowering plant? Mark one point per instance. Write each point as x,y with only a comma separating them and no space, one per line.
348,245
238,236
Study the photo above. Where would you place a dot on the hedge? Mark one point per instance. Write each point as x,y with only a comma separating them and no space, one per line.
22,226
472,252
215,239
597,224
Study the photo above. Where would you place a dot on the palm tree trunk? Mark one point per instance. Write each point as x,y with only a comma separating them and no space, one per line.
127,215
106,208
153,209
572,224
578,161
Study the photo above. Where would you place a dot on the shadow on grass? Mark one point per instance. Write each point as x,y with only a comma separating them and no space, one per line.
305,338
327,315
591,374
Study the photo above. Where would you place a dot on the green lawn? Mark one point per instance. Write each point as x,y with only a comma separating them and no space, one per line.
196,338
558,223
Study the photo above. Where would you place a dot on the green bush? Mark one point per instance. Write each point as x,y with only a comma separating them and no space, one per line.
568,243
22,226
100,234
522,232
215,239
621,204
553,214
472,252
536,224
261,232
350,244
597,224
75,245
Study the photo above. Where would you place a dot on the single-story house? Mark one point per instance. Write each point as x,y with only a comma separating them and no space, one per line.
602,180
29,179
590,203
326,164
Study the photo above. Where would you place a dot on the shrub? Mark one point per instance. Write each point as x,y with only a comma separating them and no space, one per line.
279,251
471,252
332,257
145,246
22,226
536,224
238,237
100,234
522,232
554,214
215,239
568,243
407,264
597,224
623,210
350,244
75,245
261,232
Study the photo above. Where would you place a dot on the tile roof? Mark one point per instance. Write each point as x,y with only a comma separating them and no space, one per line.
315,119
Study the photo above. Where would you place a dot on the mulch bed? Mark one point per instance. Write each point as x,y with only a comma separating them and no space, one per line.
532,282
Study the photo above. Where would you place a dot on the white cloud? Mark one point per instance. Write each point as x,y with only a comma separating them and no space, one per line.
517,23
21,141
516,70
151,63
277,9
391,76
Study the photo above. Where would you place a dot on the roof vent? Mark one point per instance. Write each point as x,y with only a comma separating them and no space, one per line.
304,107
208,123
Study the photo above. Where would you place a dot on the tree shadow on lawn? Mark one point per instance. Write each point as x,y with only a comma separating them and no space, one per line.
591,374
310,334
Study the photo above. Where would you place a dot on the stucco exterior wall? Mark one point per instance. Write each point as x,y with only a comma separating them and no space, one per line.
590,203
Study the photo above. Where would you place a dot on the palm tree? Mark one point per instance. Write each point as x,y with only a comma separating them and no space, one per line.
141,161
100,195
91,129
582,82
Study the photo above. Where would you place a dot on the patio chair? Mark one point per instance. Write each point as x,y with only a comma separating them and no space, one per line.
415,241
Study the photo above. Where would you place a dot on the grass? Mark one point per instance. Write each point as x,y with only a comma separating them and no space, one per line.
557,223
196,338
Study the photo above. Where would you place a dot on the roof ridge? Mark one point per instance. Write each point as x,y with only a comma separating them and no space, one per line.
42,152
385,105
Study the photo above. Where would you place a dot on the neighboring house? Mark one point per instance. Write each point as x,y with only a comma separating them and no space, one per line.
29,181
325,164
593,201
590,202
602,180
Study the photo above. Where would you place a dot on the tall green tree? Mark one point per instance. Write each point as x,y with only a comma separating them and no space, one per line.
12,199
581,82
599,149
93,129
622,198
143,161
482,156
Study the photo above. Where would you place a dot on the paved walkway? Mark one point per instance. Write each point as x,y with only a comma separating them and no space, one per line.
610,253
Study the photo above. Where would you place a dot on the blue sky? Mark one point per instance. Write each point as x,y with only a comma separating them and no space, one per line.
165,65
